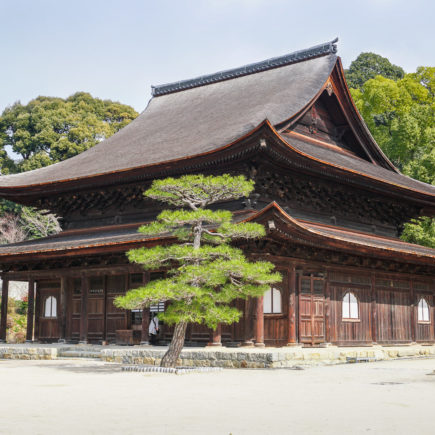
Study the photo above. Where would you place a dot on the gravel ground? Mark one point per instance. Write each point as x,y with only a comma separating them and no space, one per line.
87,397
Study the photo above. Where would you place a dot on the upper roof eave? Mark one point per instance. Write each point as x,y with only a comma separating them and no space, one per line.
202,119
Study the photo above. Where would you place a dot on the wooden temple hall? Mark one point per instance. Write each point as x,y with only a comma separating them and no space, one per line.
333,205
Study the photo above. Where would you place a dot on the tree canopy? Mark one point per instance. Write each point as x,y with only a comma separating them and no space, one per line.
205,273
369,65
400,113
49,129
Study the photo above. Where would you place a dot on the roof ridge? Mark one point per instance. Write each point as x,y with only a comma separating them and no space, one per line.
252,68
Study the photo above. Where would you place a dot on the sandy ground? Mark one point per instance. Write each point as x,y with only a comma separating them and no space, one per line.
84,397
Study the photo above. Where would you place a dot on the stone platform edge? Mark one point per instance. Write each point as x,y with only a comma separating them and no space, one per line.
218,357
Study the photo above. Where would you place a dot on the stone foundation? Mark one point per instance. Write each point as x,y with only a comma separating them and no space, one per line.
268,357
218,357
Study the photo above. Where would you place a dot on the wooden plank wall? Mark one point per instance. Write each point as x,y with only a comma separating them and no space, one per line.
395,307
390,299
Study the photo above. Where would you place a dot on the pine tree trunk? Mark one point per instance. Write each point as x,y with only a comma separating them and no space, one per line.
171,356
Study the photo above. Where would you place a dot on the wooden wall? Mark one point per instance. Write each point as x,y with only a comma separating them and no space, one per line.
387,309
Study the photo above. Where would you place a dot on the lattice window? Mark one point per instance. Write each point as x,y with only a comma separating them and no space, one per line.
350,309
272,301
157,308
423,311
50,308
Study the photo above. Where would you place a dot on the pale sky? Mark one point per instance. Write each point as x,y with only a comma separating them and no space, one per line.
117,49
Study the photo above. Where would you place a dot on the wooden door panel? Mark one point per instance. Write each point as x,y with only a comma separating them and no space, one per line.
49,328
394,316
311,310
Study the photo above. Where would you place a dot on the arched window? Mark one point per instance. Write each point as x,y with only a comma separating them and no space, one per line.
50,307
272,301
350,306
423,311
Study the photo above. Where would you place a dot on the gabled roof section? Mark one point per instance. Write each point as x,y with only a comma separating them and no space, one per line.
335,120
197,119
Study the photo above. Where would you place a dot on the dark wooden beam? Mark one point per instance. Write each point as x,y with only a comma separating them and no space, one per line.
84,310
30,310
4,310
327,313
291,339
414,308
63,303
374,310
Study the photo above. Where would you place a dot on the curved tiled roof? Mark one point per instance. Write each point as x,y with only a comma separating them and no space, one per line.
343,238
357,165
199,119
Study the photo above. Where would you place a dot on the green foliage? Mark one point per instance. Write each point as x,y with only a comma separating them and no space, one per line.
17,320
421,231
400,114
48,130
21,306
205,273
369,65
199,190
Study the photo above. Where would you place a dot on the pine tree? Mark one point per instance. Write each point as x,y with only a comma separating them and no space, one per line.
204,272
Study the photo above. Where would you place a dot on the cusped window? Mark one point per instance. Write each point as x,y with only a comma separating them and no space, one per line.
423,311
50,309
350,310
272,302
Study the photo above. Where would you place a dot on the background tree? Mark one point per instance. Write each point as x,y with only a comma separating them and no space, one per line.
38,224
400,113
205,274
10,229
48,130
29,224
369,65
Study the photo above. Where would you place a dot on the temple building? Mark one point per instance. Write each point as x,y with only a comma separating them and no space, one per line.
332,203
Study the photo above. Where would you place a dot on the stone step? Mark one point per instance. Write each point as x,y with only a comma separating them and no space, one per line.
79,354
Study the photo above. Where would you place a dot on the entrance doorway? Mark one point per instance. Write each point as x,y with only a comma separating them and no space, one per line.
311,310
48,312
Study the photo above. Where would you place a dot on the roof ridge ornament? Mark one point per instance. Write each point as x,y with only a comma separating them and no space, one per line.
275,62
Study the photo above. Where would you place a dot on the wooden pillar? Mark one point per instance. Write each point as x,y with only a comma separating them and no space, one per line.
104,341
30,310
127,288
413,313
259,323
374,311
4,310
247,325
216,336
63,298
84,310
327,312
37,311
145,337
291,339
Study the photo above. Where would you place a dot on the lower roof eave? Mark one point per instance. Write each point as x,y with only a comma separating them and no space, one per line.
95,249
282,226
